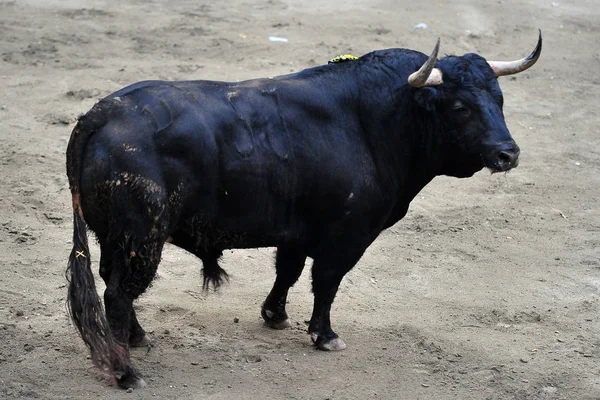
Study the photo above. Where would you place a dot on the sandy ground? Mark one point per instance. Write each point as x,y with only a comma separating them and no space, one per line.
488,289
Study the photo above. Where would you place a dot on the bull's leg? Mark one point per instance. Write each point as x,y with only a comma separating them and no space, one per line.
289,263
131,274
327,273
137,335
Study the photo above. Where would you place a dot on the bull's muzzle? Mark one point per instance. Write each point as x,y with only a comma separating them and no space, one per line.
505,157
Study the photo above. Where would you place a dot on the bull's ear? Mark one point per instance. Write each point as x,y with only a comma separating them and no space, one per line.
426,97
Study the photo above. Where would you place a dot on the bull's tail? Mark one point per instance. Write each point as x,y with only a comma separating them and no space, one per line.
83,302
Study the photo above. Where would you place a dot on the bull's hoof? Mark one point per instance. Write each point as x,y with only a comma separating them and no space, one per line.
140,341
328,344
131,379
275,321
279,324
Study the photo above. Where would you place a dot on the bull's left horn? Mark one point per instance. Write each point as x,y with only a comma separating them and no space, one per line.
427,75
502,68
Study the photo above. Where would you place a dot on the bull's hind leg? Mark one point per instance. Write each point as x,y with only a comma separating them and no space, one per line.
137,335
289,263
134,267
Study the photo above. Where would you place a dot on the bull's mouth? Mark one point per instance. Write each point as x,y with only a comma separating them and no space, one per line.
500,166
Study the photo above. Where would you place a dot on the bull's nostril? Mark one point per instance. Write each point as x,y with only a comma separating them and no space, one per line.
505,157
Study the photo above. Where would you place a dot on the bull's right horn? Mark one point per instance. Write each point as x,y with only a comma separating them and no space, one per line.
502,68
427,75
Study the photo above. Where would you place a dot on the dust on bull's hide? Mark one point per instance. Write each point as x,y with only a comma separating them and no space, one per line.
129,148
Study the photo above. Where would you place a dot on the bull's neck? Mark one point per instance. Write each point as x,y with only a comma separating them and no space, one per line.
405,139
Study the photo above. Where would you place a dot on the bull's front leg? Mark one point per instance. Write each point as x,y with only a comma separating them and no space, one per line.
327,273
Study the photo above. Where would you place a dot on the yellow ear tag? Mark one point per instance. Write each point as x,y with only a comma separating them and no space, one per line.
342,58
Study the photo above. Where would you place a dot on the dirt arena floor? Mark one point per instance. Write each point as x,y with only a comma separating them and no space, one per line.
488,289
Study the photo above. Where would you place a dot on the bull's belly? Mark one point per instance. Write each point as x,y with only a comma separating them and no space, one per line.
199,236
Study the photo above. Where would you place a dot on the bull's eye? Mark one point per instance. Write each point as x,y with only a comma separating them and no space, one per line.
461,109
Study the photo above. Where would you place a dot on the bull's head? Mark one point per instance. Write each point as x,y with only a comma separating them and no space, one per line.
465,93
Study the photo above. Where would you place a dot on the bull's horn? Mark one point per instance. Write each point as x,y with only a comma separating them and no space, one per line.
502,68
427,75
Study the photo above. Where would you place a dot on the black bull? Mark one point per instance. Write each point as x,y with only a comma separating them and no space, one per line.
316,163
